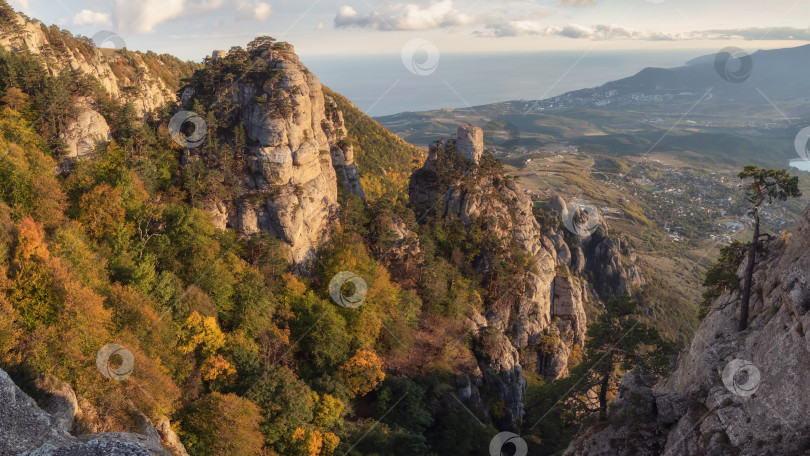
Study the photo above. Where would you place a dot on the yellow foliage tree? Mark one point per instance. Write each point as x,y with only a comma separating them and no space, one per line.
308,442
102,211
201,332
363,372
217,366
326,411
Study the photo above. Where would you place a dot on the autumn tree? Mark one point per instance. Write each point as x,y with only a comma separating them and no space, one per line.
363,372
285,403
219,424
761,186
201,333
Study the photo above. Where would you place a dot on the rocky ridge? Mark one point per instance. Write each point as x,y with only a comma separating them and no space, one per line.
296,141
125,76
144,89
538,322
731,393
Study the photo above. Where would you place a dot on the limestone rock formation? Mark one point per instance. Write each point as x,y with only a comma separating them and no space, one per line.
83,132
289,184
341,150
143,88
27,429
470,142
540,304
731,393
610,261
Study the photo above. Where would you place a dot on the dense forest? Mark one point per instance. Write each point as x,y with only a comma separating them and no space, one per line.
243,352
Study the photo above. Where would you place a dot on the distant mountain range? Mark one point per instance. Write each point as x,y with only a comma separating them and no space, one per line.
728,78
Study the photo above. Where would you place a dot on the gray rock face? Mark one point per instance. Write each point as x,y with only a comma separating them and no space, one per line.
520,321
735,393
341,150
26,429
61,402
290,189
609,261
83,132
150,91
470,142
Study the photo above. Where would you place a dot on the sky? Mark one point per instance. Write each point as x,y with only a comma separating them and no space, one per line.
191,29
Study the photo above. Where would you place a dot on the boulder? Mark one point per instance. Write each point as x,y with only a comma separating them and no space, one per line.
83,133
27,429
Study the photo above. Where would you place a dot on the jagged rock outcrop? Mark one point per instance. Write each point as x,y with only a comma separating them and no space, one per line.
530,313
610,261
470,142
341,150
26,429
142,87
731,393
289,186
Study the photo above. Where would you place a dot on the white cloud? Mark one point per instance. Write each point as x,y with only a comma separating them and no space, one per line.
577,2
144,15
405,16
20,4
604,32
87,17
600,32
259,10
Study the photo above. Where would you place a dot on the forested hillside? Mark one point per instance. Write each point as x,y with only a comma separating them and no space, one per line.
295,281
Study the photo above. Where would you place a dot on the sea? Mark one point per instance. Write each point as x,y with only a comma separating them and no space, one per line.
386,84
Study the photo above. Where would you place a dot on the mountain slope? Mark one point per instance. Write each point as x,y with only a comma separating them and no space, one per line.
731,392
385,159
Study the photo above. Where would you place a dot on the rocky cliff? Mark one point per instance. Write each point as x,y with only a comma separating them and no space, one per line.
731,393
608,261
146,81
296,138
26,429
537,321
126,76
